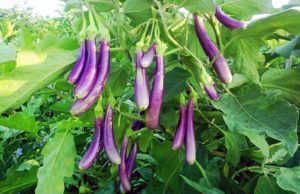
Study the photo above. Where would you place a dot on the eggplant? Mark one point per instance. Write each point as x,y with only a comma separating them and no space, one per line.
82,105
125,183
211,91
96,145
80,63
87,79
227,20
190,141
141,84
220,65
148,57
180,129
157,92
109,139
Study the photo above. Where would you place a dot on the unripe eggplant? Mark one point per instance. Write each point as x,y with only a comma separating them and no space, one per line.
81,105
220,65
190,141
157,92
126,185
80,63
109,139
87,79
96,145
180,129
226,20
148,57
141,83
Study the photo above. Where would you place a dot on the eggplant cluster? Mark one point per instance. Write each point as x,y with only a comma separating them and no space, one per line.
219,63
89,74
152,103
103,138
185,133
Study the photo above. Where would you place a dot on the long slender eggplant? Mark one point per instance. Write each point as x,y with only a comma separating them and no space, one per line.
209,85
87,79
96,145
141,83
80,63
227,20
81,105
190,141
126,185
220,65
148,57
180,129
109,139
157,92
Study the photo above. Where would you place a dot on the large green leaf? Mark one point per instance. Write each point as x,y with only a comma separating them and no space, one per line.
102,5
285,20
17,181
199,187
117,79
21,120
268,185
59,154
286,80
34,70
234,143
245,9
247,57
289,179
251,111
194,5
138,11
287,49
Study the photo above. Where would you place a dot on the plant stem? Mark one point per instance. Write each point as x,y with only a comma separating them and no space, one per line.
245,169
203,172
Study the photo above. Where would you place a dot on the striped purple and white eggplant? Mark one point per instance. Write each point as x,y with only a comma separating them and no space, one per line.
141,87
96,145
220,65
87,79
79,65
125,182
109,139
190,141
157,93
82,105
180,129
226,20
148,57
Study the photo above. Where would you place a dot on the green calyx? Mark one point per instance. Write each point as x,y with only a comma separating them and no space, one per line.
98,108
92,29
206,78
182,99
161,48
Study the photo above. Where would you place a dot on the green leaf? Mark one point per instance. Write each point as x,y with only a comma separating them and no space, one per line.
268,185
8,52
284,20
286,80
34,71
287,49
247,57
234,144
195,5
259,140
138,11
201,188
289,179
102,5
145,140
245,9
18,181
175,82
117,80
59,154
22,121
249,110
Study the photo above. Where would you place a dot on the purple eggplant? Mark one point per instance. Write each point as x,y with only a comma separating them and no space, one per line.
157,92
148,57
80,63
180,129
190,141
220,65
226,20
141,83
211,91
109,139
87,79
126,185
96,145
81,105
